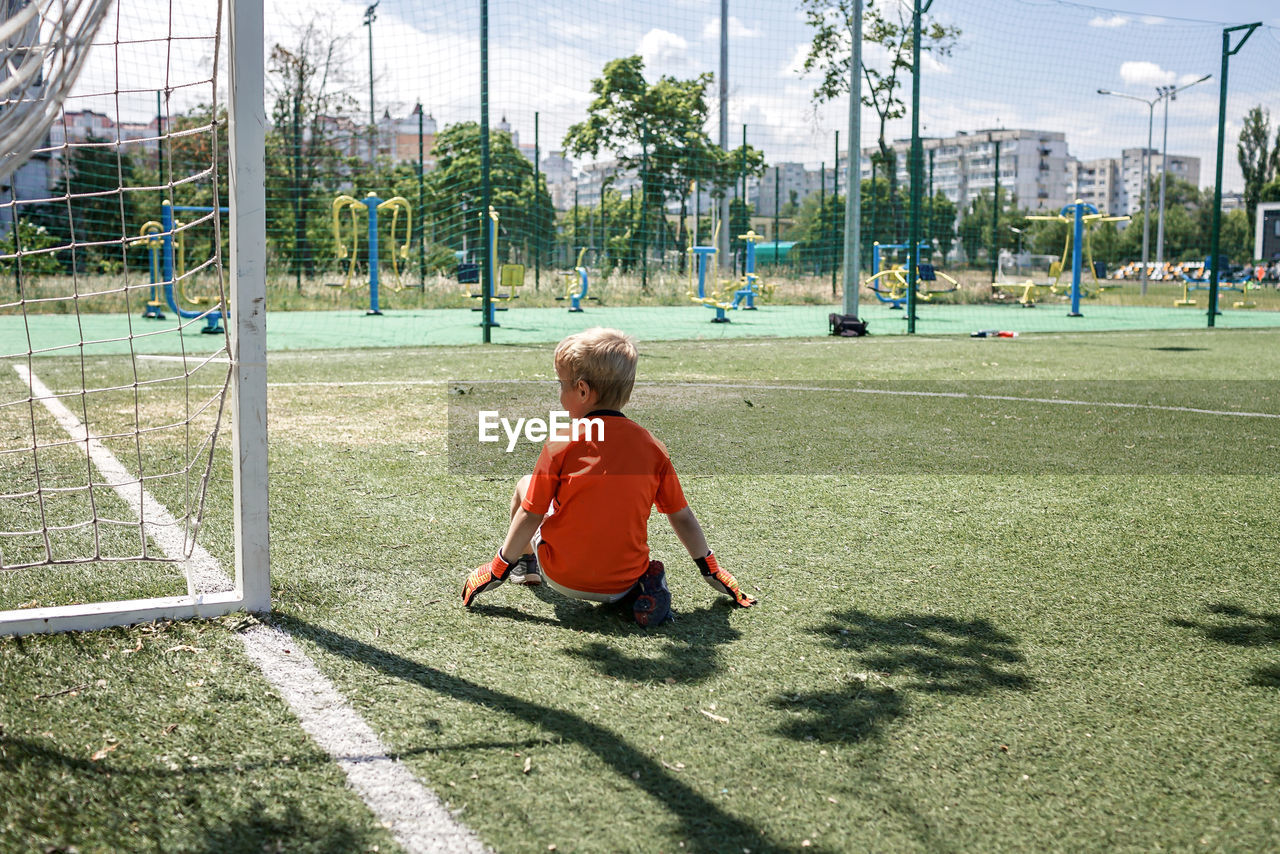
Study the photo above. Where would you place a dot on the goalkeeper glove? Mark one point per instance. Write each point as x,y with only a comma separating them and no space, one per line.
722,581
485,577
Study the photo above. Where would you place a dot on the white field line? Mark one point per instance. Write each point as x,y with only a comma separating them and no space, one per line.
204,575
415,816
958,395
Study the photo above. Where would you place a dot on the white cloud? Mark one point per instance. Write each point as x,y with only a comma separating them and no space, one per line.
737,29
795,66
660,45
1109,23
1152,20
1143,73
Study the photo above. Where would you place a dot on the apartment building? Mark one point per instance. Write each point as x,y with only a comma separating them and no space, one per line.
1033,165
1098,183
1132,163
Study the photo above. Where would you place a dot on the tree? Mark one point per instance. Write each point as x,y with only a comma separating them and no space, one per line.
975,225
100,211
819,231
658,130
941,219
886,23
1271,192
1257,160
308,82
454,191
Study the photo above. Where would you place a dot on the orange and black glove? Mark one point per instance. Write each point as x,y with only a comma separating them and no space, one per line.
485,577
722,581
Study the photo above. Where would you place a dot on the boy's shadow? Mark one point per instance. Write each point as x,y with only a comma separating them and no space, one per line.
896,657
1250,629
688,656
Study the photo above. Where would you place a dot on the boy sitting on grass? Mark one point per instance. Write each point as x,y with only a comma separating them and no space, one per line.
581,519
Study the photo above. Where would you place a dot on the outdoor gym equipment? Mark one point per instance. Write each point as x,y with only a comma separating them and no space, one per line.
1081,216
576,283
165,261
370,206
510,276
889,284
702,259
1229,280
151,232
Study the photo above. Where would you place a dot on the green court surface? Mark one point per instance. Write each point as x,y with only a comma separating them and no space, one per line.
56,334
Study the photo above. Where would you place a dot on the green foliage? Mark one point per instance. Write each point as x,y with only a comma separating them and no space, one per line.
454,193
887,24
1236,241
99,212
1259,162
659,130
305,163
30,238
819,233
1270,192
940,219
976,222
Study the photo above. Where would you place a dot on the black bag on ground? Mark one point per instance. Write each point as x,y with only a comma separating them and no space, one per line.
847,326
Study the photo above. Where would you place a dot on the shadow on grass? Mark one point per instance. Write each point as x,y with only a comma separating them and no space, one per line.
1249,629
258,831
689,654
911,653
703,824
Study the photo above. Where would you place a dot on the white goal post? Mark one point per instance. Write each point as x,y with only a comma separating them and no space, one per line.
61,424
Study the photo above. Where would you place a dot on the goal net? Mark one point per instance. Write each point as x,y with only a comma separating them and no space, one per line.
132,341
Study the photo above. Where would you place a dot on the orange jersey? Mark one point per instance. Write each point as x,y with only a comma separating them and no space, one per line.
602,491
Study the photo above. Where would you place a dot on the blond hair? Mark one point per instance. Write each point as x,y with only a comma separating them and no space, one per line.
605,359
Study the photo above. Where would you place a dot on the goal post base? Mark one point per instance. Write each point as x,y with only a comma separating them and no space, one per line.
100,615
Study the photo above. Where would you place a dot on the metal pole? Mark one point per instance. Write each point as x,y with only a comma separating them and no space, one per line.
369,18
422,209
822,206
537,208
853,196
1164,169
1227,52
724,126
1168,93
1146,199
486,273
995,219
930,224
644,211
742,176
777,197
913,248
835,200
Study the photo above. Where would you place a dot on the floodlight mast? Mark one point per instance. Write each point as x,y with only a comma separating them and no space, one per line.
1167,93
1146,180
369,18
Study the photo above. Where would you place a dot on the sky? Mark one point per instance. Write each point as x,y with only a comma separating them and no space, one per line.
1017,63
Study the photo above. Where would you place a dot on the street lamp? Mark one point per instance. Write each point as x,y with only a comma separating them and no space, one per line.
1167,94
1146,178
369,18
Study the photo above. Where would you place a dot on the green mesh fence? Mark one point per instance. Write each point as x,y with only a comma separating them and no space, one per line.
607,169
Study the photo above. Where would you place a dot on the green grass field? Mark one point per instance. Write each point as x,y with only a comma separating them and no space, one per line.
987,621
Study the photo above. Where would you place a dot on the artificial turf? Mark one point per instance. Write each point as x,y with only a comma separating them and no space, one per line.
972,635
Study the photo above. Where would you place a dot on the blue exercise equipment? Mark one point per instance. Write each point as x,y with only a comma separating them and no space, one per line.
160,240
702,259
577,283
371,206
889,284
